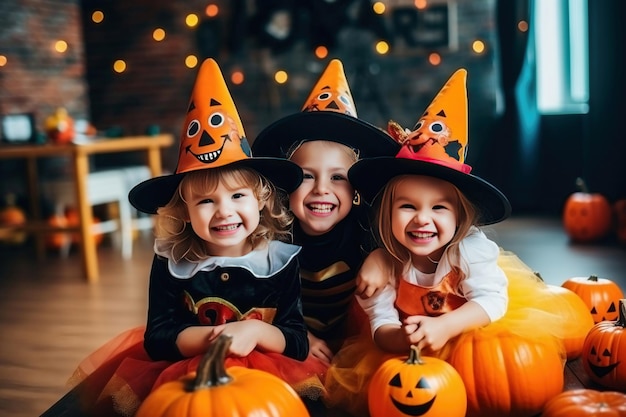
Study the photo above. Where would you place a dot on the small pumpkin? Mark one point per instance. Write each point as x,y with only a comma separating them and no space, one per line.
417,386
586,402
587,216
604,352
213,392
601,295
506,374
12,216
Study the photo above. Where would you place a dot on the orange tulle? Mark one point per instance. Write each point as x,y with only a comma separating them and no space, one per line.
117,377
534,313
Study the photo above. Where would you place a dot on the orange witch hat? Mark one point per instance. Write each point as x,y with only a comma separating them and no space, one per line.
212,137
436,147
329,113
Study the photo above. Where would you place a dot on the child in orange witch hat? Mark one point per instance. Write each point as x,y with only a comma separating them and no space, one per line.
447,281
325,139
219,267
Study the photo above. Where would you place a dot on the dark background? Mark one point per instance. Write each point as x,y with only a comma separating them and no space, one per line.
534,159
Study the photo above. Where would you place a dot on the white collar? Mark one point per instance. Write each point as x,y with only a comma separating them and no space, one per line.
262,263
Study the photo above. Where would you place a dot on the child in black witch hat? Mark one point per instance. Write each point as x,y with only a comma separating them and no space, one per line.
447,281
325,139
219,266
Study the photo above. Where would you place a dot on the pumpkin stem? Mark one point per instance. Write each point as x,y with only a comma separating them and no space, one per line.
211,371
621,321
582,185
593,278
415,357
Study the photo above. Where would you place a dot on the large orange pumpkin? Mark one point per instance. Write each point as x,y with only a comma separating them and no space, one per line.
213,392
604,352
586,403
601,295
417,386
507,375
586,216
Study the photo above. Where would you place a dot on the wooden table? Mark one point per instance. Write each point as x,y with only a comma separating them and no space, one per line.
79,153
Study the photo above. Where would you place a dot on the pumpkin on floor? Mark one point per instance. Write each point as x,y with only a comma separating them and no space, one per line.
586,403
507,375
600,294
417,386
604,352
213,392
587,216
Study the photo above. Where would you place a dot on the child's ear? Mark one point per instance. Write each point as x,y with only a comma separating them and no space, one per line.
261,205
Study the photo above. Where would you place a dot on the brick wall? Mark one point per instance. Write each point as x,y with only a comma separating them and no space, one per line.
36,78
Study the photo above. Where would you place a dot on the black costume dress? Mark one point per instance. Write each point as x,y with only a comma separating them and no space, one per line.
262,285
329,264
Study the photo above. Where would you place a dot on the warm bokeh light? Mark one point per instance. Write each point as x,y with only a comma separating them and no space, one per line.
478,46
382,47
191,20
119,66
60,46
434,58
281,77
191,61
158,34
97,16
237,77
420,4
321,52
3,60
212,10
378,7
522,26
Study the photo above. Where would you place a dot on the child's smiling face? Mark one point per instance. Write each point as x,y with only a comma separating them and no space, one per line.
325,196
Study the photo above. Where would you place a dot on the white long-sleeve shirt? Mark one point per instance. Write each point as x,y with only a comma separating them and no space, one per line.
485,282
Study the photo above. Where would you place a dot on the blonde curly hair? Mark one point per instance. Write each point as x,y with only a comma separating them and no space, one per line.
176,235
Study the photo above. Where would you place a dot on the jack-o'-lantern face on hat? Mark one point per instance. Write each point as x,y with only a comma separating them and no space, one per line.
332,92
212,135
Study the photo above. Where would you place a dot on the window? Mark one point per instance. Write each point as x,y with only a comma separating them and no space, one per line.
561,45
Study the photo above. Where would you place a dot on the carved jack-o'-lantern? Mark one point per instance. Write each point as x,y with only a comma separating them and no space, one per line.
604,352
418,386
600,294
586,216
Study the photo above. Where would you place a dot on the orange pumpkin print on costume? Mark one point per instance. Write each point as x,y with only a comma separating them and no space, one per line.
212,133
331,93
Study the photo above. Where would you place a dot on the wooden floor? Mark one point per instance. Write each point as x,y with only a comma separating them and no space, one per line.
50,318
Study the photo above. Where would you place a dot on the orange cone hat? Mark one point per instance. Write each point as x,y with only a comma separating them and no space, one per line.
212,137
437,147
329,113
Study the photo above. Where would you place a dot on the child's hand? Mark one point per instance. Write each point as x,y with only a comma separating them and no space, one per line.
426,332
319,349
374,274
245,335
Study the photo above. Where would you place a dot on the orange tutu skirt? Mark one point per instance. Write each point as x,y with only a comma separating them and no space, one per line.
116,378
534,313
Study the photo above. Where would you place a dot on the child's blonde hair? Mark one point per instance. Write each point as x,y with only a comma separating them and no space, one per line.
467,216
176,234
